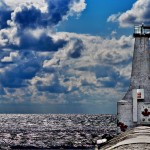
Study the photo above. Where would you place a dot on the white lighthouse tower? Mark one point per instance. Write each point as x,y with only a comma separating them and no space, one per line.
134,108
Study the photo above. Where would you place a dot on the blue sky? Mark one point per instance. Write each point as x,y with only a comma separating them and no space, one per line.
66,56
94,18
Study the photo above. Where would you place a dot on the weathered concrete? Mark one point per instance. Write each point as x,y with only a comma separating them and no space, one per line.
134,110
124,115
136,138
140,76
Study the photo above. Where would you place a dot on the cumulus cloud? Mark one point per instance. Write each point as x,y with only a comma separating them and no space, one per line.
15,76
15,3
29,15
27,38
77,49
48,82
58,67
138,14
43,43
101,64
31,25
12,57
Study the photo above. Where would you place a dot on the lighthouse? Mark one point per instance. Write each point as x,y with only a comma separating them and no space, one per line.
134,109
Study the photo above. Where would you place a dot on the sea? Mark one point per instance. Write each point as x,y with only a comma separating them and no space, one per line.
54,131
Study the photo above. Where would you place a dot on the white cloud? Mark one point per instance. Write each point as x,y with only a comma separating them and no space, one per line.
15,3
98,70
45,80
12,57
113,17
97,49
98,55
78,7
138,14
8,37
87,67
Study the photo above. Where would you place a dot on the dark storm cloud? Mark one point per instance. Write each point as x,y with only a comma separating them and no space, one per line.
28,17
32,17
14,77
55,88
57,10
77,49
42,43
29,42
5,14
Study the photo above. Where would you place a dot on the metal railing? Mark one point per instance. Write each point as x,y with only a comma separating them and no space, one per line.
141,30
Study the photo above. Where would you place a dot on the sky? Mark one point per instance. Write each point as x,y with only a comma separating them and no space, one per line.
67,56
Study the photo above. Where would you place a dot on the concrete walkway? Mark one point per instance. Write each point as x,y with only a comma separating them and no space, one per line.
136,139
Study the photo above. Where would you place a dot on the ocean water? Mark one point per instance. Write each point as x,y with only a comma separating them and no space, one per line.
54,130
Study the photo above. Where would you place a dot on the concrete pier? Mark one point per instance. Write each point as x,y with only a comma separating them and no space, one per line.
137,138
